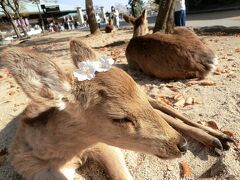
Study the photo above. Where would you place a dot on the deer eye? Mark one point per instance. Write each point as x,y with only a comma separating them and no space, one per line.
122,120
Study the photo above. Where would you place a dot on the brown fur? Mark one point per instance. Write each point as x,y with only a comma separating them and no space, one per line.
109,109
109,27
179,55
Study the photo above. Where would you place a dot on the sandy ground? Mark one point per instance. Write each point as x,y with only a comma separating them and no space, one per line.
220,103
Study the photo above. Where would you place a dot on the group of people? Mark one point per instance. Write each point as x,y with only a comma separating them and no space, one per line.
179,15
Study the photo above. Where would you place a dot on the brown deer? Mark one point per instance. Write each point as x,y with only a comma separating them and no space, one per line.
68,120
110,27
181,55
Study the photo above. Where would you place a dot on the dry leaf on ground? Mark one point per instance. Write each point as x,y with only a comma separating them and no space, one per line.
177,96
207,83
202,83
197,101
11,93
164,101
211,124
189,101
3,102
237,144
237,50
186,170
180,102
229,133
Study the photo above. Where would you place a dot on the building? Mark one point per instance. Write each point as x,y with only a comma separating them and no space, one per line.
49,12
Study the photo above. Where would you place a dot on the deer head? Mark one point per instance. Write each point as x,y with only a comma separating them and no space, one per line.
140,24
109,108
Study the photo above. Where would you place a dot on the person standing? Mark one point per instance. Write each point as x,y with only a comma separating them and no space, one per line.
115,16
98,20
180,13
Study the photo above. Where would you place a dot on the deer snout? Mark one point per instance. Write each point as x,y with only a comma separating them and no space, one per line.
183,146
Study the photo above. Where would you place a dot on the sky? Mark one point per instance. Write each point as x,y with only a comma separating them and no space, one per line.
106,3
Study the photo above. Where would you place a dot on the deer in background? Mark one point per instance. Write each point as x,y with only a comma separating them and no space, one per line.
68,120
181,55
110,27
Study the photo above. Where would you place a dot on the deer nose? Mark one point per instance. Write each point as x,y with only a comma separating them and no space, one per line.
183,147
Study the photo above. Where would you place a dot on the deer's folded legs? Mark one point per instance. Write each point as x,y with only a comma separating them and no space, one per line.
112,159
203,134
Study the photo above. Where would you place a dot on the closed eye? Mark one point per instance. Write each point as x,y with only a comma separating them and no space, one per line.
122,120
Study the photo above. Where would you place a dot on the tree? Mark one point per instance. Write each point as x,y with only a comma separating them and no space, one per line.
165,18
94,29
37,2
10,8
5,8
121,8
136,7
14,5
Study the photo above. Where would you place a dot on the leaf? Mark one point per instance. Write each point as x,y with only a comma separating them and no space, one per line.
202,83
164,101
211,124
207,83
197,101
217,72
180,102
237,50
177,96
229,133
3,102
189,101
11,93
186,170
237,144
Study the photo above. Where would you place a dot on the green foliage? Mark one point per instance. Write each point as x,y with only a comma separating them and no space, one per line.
131,2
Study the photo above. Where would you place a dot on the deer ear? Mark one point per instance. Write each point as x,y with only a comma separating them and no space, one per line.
129,19
81,52
144,14
40,78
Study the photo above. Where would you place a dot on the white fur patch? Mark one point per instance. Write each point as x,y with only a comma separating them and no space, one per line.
214,64
69,173
67,86
35,82
61,105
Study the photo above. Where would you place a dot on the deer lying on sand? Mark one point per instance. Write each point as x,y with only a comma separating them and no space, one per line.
180,55
110,27
68,120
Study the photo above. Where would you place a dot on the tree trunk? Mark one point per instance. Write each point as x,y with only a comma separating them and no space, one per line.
11,21
165,20
94,29
15,27
41,19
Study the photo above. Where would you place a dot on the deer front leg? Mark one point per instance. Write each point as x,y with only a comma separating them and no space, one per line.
197,131
112,159
172,112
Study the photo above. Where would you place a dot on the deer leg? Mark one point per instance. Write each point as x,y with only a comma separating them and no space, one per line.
112,159
196,133
172,112
205,135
